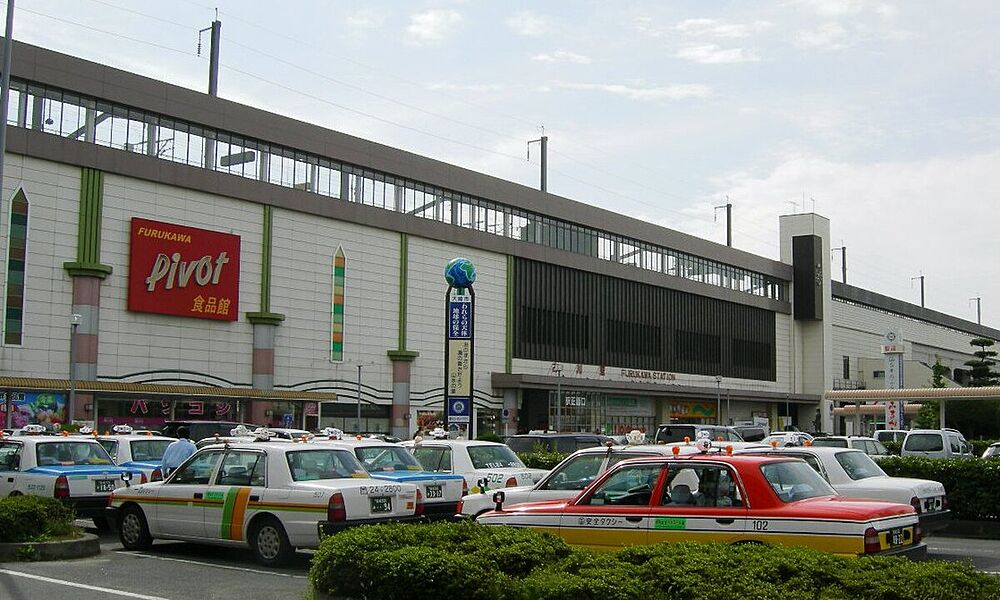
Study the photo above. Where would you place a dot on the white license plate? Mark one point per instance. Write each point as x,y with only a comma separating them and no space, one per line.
434,491
381,504
104,485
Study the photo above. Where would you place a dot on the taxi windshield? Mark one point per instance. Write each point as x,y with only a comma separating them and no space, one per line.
859,465
494,456
311,465
382,459
795,480
67,454
149,449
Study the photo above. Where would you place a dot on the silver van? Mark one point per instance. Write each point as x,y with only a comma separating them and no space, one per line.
936,443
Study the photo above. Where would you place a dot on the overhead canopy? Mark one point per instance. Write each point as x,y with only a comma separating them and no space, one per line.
37,384
955,393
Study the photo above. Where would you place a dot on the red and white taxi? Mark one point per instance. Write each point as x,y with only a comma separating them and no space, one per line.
720,498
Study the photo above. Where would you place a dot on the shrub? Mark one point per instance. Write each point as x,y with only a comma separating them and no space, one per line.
489,437
541,459
893,447
972,485
33,518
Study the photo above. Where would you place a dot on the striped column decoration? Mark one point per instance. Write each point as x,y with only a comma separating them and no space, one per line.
265,324
402,359
337,306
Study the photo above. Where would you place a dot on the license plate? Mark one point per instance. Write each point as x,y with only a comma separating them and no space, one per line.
381,504
895,537
104,485
434,491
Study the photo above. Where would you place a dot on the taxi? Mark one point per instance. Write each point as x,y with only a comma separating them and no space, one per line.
719,497
581,468
484,465
853,473
74,469
272,497
392,462
139,451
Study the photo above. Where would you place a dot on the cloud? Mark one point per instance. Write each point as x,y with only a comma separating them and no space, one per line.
562,56
366,18
528,24
711,54
828,36
645,94
847,8
713,28
468,87
432,26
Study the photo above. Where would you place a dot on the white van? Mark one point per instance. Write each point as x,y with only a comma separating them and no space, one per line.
936,443
895,436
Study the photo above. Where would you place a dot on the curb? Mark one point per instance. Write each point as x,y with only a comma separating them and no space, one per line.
986,530
86,545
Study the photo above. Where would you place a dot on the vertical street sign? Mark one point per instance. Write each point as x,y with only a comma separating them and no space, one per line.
892,349
460,303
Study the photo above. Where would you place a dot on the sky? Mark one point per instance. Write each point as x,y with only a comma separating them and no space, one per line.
883,116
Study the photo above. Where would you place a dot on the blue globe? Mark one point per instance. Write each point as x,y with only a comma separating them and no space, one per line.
460,273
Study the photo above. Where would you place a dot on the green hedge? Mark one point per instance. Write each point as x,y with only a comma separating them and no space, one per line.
33,519
541,459
470,561
972,485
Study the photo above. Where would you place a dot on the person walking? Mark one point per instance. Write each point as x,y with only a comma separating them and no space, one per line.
178,451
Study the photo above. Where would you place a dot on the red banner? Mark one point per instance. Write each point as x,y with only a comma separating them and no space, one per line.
183,271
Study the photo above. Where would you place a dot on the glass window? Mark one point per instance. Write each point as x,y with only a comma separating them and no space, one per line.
813,462
708,486
955,446
112,447
878,449
859,465
10,457
67,454
381,459
629,486
151,450
578,472
437,459
493,456
830,443
924,442
243,468
795,480
197,470
312,465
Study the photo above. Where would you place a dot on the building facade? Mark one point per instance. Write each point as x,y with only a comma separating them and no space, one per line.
156,236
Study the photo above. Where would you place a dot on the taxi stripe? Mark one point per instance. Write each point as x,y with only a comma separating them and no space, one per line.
227,512
239,511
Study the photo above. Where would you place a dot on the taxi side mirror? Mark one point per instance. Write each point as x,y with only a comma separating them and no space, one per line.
498,498
127,478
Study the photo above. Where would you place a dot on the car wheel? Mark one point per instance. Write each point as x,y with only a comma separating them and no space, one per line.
15,494
270,543
133,531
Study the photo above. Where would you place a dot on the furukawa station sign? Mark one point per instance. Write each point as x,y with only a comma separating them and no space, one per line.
183,271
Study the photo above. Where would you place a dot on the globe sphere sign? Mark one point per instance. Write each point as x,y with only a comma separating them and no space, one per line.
460,273
460,300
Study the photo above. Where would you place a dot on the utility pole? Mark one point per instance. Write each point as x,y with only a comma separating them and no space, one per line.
843,263
729,220
213,79
8,43
921,278
979,309
544,141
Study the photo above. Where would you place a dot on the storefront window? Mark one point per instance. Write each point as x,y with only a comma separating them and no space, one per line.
592,412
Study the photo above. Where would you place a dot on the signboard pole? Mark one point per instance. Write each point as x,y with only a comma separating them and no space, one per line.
459,344
892,349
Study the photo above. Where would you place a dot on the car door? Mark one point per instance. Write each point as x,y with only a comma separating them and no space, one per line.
239,480
180,500
699,502
10,464
614,513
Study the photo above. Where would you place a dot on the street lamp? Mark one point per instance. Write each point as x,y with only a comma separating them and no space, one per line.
74,320
718,399
357,424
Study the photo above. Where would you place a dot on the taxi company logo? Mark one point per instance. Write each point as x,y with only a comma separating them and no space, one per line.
183,271
670,523
653,375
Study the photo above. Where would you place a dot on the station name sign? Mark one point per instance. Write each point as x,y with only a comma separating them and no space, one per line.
183,271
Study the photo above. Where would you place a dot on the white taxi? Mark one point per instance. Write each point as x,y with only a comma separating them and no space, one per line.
75,469
581,468
272,497
140,451
485,465
393,462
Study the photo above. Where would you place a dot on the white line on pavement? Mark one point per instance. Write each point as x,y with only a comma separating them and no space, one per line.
82,586
213,565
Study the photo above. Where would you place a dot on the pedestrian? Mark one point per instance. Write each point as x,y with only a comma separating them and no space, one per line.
177,452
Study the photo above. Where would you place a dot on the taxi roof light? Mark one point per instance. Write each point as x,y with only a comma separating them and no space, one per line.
122,429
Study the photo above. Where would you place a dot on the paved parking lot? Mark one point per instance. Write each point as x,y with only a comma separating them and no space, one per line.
179,571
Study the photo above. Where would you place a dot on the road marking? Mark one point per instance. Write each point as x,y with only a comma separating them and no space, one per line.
213,565
82,586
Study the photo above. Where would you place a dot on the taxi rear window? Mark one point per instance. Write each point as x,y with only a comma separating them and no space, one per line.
312,465
149,449
66,454
380,459
795,480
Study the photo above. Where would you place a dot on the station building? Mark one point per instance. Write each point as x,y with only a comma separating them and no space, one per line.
174,255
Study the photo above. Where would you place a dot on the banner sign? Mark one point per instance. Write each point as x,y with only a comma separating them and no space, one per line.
29,408
183,271
459,343
892,349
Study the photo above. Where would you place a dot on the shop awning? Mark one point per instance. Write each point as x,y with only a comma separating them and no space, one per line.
160,390
954,393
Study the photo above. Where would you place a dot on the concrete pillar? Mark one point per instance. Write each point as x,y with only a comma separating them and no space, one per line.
510,397
87,304
262,373
399,416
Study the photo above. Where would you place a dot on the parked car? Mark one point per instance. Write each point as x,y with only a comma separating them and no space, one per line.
676,432
483,464
393,462
291,434
581,468
992,451
272,497
788,438
895,436
751,433
854,474
869,446
143,451
719,498
199,430
74,469
936,443
555,442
